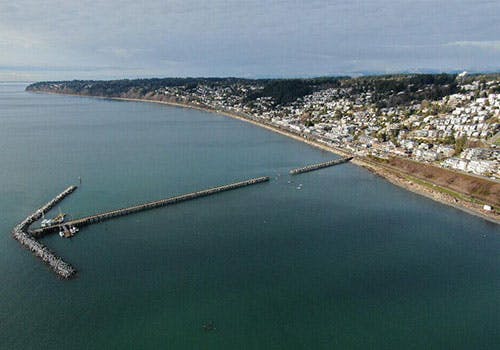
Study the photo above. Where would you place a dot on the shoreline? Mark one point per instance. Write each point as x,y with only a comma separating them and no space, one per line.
397,179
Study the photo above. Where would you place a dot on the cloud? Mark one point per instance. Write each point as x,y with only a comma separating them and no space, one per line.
487,45
11,38
250,38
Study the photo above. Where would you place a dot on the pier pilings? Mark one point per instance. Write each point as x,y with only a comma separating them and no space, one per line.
88,220
319,166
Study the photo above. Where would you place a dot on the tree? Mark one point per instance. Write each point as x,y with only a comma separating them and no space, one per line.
449,140
460,144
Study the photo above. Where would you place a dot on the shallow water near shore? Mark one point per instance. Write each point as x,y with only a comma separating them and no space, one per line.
348,261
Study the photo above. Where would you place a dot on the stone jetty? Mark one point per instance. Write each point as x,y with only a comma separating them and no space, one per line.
319,166
60,267
22,235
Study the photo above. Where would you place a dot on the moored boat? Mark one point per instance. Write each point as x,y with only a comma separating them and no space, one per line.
59,219
66,231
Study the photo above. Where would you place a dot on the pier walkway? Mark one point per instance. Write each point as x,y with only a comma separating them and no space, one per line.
145,206
319,166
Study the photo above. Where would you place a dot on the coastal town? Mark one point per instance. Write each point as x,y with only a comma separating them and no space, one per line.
434,134
459,131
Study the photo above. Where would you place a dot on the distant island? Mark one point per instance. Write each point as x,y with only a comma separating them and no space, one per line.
434,134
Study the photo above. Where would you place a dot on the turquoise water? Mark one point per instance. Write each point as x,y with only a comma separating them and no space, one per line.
347,262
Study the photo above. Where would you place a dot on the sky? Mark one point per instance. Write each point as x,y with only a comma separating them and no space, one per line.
60,39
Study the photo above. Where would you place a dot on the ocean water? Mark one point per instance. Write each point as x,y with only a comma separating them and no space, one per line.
348,261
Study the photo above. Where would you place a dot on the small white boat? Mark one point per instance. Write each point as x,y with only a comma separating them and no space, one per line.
46,222
59,219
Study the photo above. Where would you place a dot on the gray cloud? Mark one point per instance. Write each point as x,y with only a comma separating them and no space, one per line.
487,45
245,38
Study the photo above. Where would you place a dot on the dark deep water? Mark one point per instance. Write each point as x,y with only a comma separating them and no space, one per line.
347,262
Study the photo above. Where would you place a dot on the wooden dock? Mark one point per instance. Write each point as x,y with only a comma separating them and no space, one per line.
319,166
145,206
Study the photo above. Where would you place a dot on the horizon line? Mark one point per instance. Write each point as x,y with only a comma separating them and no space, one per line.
352,75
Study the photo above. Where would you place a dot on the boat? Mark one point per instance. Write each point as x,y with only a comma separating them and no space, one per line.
209,327
46,222
63,231
59,219
66,231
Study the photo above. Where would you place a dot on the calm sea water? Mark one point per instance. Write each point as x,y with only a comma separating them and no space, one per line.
346,262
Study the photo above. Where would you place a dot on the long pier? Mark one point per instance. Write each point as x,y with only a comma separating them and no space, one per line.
22,235
319,166
28,237
146,206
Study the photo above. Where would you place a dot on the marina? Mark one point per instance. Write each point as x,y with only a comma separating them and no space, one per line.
22,235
